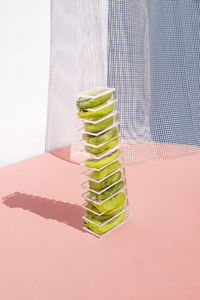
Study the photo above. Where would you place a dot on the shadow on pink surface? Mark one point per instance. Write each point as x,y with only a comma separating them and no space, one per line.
66,213
65,154
62,153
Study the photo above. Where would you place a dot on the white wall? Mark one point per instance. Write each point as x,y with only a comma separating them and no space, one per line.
24,75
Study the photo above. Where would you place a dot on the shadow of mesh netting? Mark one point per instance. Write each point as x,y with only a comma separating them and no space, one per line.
149,51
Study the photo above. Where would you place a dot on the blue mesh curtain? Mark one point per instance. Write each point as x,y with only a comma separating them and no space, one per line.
153,61
174,44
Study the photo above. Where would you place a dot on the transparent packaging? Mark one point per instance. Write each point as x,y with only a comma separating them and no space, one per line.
105,198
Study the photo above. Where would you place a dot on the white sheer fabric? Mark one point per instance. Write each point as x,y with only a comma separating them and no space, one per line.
78,62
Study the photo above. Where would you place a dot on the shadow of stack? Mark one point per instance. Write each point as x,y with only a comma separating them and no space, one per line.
66,213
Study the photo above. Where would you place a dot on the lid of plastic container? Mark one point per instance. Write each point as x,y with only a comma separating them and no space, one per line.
96,92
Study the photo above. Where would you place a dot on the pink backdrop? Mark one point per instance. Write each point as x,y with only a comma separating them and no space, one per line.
45,255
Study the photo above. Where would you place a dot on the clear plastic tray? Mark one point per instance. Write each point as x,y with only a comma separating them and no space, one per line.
97,146
85,185
104,234
109,102
99,156
88,95
84,205
115,124
112,114
108,220
85,175
86,196
94,169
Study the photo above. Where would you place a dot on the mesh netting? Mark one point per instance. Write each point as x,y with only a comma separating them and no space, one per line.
153,62
149,51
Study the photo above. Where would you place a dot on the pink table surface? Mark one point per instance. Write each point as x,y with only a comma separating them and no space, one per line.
46,256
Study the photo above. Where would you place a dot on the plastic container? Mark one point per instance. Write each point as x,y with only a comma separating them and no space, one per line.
105,198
